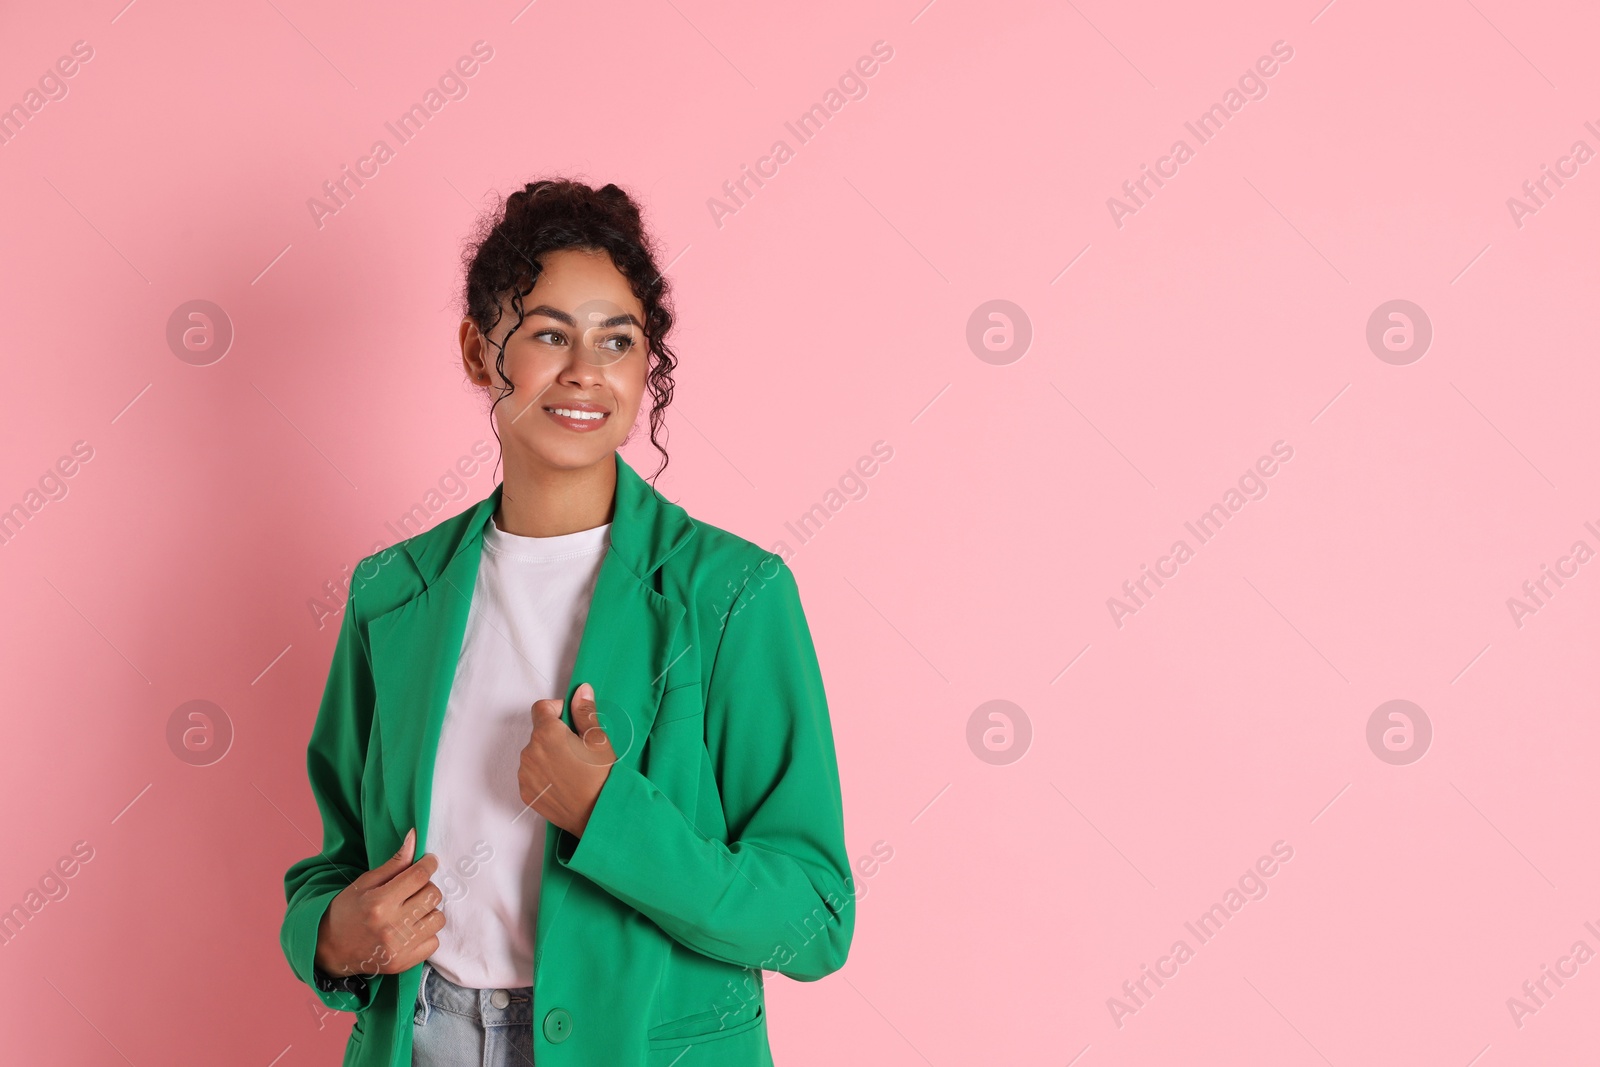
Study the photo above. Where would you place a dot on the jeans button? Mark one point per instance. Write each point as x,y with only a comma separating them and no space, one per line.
500,998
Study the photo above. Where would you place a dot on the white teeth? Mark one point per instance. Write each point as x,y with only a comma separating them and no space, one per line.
572,414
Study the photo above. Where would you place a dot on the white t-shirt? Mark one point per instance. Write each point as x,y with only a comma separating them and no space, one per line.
529,606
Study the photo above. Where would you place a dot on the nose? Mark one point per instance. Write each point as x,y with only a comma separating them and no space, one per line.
582,368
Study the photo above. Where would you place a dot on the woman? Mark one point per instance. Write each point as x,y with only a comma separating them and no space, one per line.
599,722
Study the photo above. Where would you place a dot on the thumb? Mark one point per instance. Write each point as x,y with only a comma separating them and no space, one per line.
585,715
586,722
393,865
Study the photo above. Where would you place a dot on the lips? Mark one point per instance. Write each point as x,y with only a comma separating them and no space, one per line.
579,405
577,417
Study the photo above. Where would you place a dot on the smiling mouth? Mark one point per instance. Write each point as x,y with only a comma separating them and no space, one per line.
577,420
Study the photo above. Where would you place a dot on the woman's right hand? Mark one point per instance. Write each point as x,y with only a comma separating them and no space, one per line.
384,922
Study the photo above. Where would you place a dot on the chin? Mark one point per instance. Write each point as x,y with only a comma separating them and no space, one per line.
573,454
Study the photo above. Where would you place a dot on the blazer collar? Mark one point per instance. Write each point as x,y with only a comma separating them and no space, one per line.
646,528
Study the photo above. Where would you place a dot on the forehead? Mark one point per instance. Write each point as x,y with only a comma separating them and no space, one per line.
574,276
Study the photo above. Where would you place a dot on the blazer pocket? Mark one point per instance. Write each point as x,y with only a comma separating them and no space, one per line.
675,754
702,1027
680,702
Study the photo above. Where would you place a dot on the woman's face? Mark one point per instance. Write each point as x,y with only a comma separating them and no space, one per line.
578,363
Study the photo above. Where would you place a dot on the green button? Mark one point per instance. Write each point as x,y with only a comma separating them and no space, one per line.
557,1025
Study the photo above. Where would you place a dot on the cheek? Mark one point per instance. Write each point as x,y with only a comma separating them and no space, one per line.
628,386
526,371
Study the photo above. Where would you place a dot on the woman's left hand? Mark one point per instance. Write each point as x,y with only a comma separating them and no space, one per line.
562,768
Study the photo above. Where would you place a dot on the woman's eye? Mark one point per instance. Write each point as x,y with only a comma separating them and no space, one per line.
625,343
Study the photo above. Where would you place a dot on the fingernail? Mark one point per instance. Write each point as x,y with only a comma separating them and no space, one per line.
586,691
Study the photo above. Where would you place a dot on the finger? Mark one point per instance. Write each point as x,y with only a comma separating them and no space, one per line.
391,866
404,885
402,932
415,955
546,709
597,746
586,721
422,922
412,956
424,900
431,923
585,716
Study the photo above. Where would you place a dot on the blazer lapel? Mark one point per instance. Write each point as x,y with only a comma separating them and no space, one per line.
628,643
414,652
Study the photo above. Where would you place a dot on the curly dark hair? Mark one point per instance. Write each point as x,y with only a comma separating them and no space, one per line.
504,256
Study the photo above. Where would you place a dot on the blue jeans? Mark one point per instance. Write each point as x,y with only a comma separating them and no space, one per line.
457,1027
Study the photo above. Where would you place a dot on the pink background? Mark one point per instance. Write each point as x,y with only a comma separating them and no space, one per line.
832,311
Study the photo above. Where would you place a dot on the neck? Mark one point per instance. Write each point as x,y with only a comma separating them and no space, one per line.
543,501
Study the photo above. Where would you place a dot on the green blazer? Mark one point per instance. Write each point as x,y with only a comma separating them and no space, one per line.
716,848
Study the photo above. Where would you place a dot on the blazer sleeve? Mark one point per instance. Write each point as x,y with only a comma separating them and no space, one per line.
335,757
777,895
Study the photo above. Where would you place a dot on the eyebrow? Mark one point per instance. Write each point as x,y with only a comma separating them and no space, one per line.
561,316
